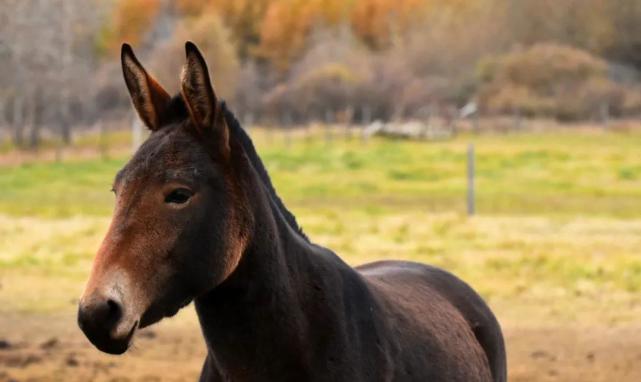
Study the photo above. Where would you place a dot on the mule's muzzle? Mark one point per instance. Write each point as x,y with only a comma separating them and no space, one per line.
100,319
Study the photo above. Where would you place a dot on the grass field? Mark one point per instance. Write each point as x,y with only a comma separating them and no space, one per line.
590,173
554,247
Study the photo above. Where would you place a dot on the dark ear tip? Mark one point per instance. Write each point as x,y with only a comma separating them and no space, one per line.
190,46
127,52
126,49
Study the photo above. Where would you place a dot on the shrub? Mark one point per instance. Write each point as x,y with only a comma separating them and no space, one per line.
323,80
548,80
338,74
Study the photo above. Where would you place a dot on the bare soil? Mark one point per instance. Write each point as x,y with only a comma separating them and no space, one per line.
49,347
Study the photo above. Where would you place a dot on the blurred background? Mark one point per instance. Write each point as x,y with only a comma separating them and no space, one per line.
498,139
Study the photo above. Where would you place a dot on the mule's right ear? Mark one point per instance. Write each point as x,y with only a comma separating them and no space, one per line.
197,89
148,97
205,111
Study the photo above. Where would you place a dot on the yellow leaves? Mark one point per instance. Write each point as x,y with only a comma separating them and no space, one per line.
192,7
284,30
287,23
244,18
131,20
278,30
377,21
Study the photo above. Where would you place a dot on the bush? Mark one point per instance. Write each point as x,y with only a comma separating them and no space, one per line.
339,74
548,80
323,80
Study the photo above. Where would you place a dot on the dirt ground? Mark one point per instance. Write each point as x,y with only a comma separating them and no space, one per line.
51,348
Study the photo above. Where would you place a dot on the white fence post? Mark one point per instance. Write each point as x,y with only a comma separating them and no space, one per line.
470,180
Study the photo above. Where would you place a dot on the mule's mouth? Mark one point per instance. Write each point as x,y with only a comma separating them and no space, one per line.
117,346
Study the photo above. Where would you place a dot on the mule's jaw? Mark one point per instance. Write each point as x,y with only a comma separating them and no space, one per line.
156,313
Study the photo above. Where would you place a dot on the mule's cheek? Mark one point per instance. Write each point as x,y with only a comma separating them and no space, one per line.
223,261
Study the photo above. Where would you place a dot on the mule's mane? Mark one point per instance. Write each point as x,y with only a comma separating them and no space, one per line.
245,141
178,111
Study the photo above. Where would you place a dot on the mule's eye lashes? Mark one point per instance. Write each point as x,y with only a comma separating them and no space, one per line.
178,196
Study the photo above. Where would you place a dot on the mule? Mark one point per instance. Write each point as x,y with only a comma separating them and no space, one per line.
197,218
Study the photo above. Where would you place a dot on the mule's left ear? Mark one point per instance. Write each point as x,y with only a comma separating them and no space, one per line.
198,92
148,97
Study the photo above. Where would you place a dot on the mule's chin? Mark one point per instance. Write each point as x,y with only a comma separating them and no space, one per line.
111,345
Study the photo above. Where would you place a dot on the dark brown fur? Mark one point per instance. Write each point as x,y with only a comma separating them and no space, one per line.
272,305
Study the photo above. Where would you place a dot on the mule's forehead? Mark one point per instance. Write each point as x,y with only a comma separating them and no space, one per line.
170,154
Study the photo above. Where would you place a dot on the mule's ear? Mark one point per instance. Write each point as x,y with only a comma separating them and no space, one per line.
197,89
148,97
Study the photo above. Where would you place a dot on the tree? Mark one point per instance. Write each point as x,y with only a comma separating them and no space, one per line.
213,38
47,64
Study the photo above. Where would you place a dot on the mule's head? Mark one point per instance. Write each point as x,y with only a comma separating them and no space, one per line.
181,220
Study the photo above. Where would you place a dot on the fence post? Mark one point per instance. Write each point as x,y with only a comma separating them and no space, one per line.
604,111
328,128
136,133
59,148
470,180
349,115
307,130
366,119
517,119
288,122
104,149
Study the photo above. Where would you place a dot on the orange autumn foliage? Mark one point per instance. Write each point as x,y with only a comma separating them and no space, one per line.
130,21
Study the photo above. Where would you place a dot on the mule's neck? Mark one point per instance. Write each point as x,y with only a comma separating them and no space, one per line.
260,309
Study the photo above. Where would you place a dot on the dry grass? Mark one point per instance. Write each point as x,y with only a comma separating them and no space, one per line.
581,269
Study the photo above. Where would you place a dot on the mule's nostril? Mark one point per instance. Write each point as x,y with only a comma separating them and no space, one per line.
103,315
113,312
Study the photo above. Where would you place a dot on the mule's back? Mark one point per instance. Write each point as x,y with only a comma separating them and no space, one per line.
439,313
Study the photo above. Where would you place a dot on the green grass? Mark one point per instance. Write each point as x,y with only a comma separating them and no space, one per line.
58,189
572,174
557,235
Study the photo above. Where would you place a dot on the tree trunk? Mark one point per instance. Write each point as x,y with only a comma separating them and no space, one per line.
17,122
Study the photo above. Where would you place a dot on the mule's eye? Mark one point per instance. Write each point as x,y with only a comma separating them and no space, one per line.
178,196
